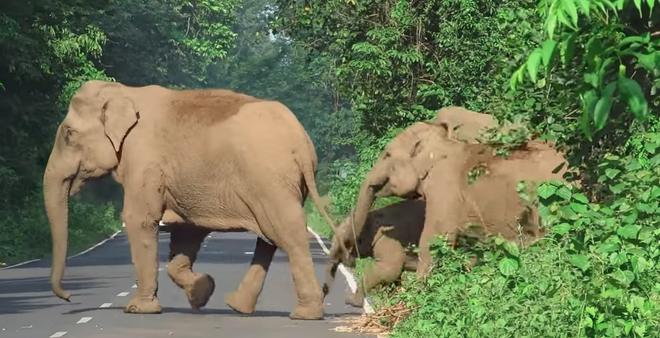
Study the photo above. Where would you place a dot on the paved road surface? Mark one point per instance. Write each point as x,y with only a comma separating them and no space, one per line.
101,283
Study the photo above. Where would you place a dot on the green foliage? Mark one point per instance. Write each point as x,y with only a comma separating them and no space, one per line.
26,233
594,275
616,48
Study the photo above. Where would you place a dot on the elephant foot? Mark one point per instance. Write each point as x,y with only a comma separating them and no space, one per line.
355,300
200,291
143,306
240,302
310,312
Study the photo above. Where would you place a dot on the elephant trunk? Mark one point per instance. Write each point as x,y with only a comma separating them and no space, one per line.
374,181
57,189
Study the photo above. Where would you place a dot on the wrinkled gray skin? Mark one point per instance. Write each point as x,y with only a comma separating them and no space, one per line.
388,232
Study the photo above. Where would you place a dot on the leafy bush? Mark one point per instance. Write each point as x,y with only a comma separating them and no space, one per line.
26,231
595,275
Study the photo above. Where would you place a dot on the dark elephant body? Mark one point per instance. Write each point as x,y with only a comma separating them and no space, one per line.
215,159
387,235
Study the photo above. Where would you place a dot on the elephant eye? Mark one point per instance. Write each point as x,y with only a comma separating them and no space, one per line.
68,134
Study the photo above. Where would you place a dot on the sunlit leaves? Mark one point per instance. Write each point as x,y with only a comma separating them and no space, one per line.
602,56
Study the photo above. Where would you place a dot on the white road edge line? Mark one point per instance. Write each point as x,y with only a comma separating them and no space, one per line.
76,255
58,334
122,294
350,279
84,320
105,305
347,274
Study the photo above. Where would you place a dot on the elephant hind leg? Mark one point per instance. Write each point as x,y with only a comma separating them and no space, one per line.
390,260
244,299
185,241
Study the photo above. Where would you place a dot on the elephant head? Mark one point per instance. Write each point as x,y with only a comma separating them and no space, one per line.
408,158
88,144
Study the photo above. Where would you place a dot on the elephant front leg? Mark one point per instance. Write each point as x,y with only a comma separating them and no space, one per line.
185,241
244,299
141,215
390,259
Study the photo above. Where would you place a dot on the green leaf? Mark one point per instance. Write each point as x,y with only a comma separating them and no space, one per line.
546,190
608,247
631,218
508,266
593,48
655,192
618,258
638,4
564,193
650,3
630,39
551,24
548,49
639,264
624,277
603,106
581,198
580,261
568,49
593,79
617,188
569,7
577,207
632,92
512,249
584,6
628,231
648,61
611,173
562,18
561,229
533,63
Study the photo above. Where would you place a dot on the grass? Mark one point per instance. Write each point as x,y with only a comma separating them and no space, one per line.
26,232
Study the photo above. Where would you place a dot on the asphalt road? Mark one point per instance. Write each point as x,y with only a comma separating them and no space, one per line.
102,281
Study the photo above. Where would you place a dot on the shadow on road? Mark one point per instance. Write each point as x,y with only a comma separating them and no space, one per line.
205,311
18,295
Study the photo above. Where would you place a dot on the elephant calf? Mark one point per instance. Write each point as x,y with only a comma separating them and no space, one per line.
387,233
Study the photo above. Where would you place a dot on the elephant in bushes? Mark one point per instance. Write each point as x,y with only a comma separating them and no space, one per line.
432,160
217,159
388,232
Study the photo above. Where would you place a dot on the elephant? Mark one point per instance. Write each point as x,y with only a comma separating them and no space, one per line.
432,159
213,158
388,233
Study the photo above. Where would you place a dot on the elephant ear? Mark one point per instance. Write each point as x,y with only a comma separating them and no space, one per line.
119,115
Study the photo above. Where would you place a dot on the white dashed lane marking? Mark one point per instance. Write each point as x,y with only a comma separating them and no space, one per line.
122,294
134,286
58,334
249,252
105,305
84,320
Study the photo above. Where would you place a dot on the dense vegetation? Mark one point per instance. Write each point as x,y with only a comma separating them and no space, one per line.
583,73
49,48
356,72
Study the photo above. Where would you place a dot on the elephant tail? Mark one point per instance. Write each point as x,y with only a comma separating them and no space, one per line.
307,168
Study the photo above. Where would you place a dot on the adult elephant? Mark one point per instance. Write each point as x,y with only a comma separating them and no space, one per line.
218,159
432,159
